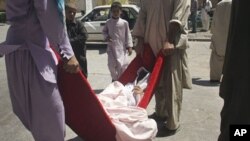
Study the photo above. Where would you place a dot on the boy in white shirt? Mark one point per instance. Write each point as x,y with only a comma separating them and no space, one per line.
116,32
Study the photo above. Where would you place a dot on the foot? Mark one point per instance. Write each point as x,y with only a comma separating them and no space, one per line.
164,132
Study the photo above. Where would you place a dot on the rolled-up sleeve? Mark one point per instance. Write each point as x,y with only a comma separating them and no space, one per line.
180,17
53,27
181,12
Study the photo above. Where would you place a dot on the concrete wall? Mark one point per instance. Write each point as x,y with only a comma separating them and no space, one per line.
80,4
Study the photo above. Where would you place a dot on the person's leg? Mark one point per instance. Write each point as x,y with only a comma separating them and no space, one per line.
112,65
173,102
204,20
160,110
174,91
35,101
18,88
47,111
122,66
216,65
160,94
186,75
80,54
83,63
169,100
207,25
84,67
193,19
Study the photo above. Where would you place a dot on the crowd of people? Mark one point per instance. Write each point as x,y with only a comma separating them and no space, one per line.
32,65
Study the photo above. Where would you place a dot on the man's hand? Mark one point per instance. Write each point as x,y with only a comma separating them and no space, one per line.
168,49
72,65
138,90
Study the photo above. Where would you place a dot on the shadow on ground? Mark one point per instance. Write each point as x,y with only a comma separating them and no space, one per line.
198,81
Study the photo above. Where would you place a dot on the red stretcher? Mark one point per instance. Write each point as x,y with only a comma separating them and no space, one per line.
85,114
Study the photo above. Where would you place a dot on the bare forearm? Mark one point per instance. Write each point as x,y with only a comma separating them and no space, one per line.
173,32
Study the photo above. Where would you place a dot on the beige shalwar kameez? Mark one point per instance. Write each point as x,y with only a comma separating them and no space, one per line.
219,30
152,25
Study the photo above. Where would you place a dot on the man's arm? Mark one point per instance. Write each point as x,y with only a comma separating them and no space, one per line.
128,39
179,20
177,34
105,32
82,34
55,30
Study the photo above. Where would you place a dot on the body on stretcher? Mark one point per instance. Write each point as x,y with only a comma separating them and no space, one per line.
85,115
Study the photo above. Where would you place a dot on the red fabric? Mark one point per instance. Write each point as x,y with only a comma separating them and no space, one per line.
152,64
85,114
153,81
148,62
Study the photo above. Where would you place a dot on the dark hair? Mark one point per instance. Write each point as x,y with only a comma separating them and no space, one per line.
116,4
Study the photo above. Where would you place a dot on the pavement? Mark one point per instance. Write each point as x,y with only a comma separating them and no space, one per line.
200,115
200,36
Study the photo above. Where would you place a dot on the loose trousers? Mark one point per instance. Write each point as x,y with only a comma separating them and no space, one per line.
36,102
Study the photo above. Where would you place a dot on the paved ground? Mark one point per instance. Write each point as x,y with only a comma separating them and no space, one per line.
200,36
201,107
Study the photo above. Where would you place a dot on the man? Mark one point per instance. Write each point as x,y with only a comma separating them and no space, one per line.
35,27
194,9
205,18
234,87
162,24
77,36
219,30
117,33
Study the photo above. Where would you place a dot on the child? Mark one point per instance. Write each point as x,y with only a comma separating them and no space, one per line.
116,32
78,35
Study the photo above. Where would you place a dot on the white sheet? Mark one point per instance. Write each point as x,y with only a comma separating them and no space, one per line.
131,122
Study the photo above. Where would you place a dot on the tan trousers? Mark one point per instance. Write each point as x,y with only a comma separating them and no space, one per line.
216,65
168,95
